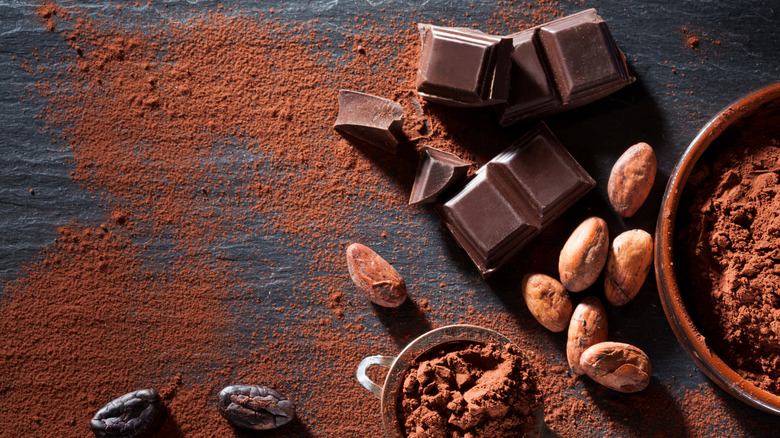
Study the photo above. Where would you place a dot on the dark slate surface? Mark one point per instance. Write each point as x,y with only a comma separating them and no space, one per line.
677,91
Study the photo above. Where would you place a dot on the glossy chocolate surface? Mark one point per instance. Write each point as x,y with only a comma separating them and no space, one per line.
463,67
562,65
532,91
436,172
513,197
371,119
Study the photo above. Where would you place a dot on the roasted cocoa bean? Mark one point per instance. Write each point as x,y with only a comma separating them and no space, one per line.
584,254
375,277
629,261
255,407
632,179
617,366
127,416
547,300
588,326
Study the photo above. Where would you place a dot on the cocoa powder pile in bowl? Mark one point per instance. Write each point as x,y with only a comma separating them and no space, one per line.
469,390
729,247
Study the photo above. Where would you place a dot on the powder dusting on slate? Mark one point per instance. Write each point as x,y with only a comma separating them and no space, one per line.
214,131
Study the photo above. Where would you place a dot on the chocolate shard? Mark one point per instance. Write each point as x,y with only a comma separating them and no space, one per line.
463,67
513,198
562,65
371,119
436,172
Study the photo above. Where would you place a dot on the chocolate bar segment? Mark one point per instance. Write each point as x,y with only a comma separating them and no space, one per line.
513,198
488,218
550,176
372,119
584,59
532,91
562,65
463,67
437,171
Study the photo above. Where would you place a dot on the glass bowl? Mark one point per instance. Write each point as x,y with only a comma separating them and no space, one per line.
672,300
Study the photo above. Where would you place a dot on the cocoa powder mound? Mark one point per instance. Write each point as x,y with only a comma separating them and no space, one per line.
731,247
469,391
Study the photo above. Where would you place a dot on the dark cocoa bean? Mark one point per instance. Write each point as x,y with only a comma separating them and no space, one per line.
127,416
255,407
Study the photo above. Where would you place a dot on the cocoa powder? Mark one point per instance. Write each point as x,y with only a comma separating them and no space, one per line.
730,245
205,130
469,391
199,132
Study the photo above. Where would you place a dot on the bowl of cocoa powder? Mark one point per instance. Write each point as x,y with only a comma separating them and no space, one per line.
717,254
457,381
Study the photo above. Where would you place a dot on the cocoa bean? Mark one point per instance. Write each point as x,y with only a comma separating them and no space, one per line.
584,254
381,283
632,179
127,416
255,407
547,300
588,326
629,261
617,366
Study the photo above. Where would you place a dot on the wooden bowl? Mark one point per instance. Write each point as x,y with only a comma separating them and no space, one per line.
673,303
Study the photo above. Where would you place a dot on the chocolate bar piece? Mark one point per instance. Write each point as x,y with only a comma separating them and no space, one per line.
437,171
463,67
374,120
513,198
562,65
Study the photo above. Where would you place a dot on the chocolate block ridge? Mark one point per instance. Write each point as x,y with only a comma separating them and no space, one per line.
513,198
533,91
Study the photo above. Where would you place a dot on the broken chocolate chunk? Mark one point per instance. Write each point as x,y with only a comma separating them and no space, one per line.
585,61
562,65
513,198
463,67
371,119
437,171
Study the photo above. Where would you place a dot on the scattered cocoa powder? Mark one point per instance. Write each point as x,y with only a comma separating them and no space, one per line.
207,130
731,247
201,132
692,41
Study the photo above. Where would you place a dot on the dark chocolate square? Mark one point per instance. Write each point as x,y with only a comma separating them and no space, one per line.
546,172
463,67
583,56
487,218
513,197
562,65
